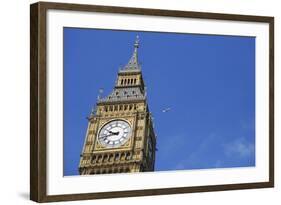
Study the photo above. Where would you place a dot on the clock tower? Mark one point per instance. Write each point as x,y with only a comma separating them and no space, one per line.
120,136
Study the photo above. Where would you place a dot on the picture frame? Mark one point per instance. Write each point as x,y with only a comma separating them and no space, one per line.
40,82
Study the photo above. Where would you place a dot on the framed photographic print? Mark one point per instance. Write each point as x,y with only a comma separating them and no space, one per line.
134,102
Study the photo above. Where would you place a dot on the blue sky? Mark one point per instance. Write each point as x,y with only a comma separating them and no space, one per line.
208,81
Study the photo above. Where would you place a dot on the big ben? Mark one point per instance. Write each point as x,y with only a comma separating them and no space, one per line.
120,136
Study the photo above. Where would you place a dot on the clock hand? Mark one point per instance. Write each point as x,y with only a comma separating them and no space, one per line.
103,137
107,135
113,133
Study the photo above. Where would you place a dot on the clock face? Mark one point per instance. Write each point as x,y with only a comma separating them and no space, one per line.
115,133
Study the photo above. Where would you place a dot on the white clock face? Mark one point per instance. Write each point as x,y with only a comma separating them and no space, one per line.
115,133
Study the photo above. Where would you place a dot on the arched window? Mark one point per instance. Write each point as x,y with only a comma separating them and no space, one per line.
99,159
94,159
128,155
125,81
122,82
135,81
123,155
117,156
111,157
105,158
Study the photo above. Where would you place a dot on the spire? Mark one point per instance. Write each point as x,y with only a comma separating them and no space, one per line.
133,63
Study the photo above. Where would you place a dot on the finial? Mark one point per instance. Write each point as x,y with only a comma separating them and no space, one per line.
93,110
92,114
137,42
133,63
145,91
100,93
